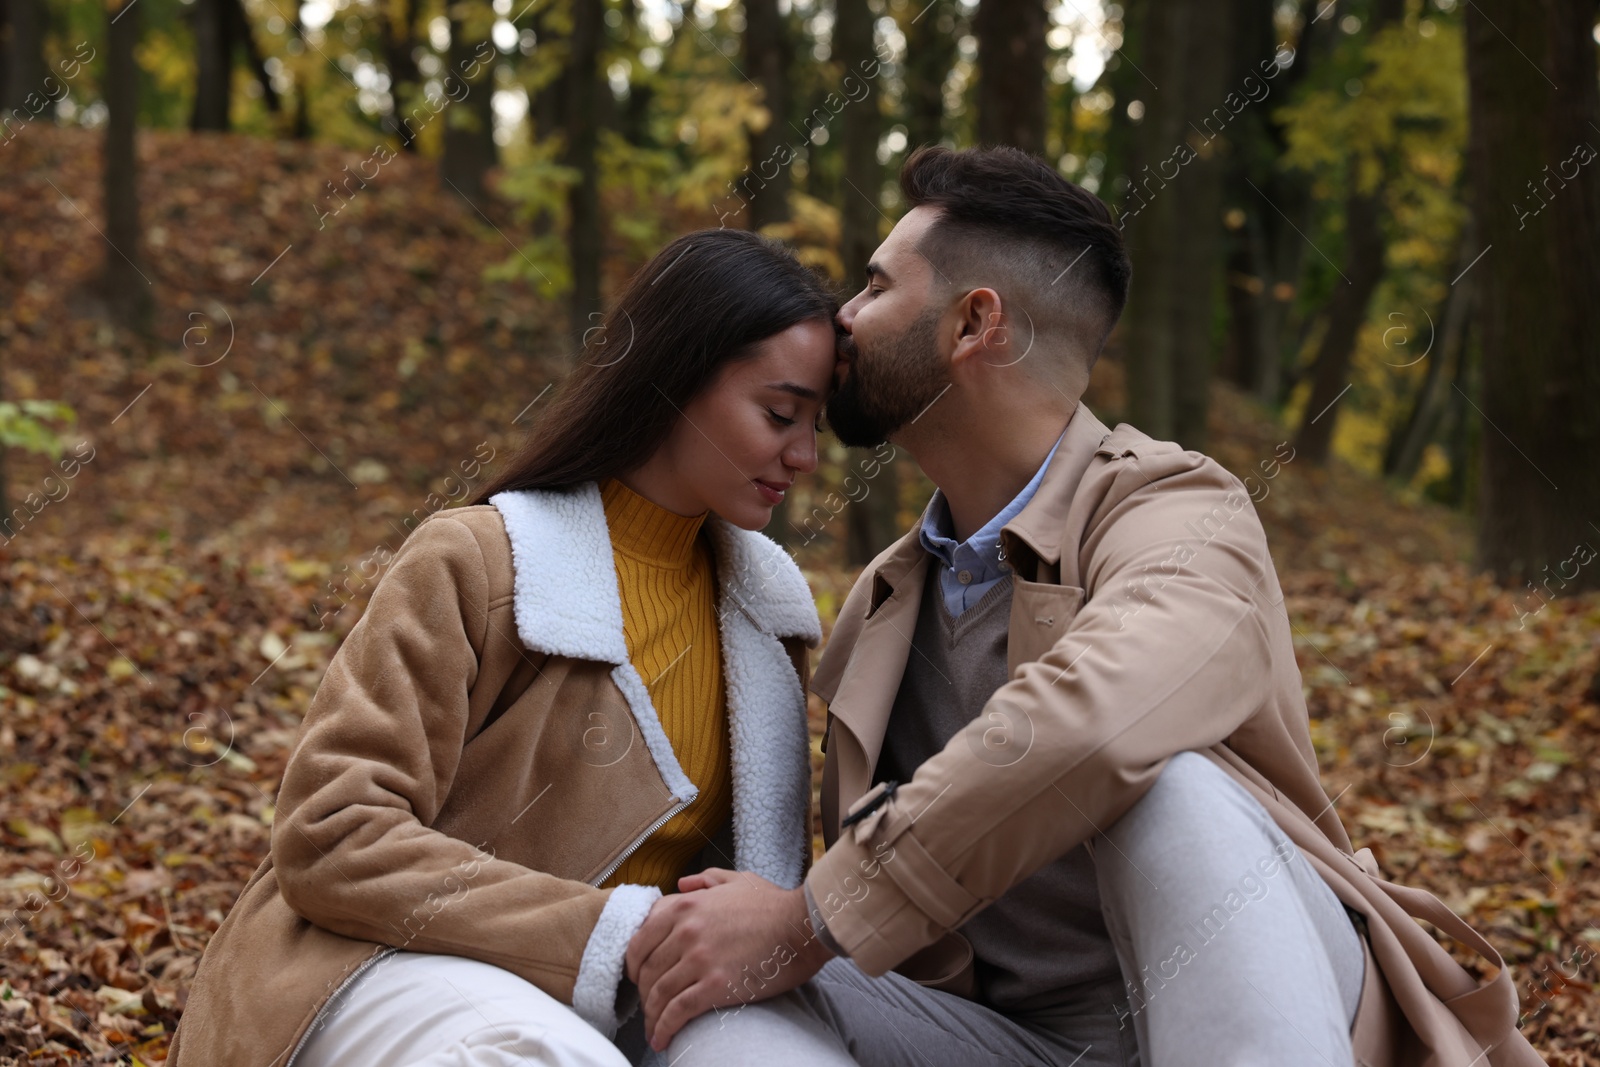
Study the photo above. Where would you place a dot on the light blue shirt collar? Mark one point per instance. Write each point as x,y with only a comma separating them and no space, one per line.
972,567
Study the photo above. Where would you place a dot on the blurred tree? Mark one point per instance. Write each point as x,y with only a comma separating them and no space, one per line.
768,56
870,520
766,181
634,120
213,52
1364,246
1061,91
220,27
1380,123
544,76
1125,81
256,58
22,67
1266,206
397,24
1535,126
930,53
546,105
1172,220
300,129
123,284
861,123
1011,51
1428,407
581,96
469,146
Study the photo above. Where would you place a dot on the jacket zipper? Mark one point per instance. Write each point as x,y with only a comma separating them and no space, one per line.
388,950
631,849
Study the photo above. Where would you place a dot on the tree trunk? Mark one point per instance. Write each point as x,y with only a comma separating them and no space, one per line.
124,286
1347,308
301,130
469,148
1536,200
1347,311
1465,426
397,20
634,121
767,52
1011,50
258,61
25,69
765,184
1266,250
1403,456
1252,159
547,108
1173,224
547,111
5,74
213,43
1126,82
582,93
930,53
870,515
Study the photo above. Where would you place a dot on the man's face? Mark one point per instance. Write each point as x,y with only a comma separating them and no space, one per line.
891,368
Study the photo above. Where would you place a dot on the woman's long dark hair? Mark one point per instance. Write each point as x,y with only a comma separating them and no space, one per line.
706,299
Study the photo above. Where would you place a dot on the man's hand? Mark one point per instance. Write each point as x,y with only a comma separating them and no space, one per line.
726,937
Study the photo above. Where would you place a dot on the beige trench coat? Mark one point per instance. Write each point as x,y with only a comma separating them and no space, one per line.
1146,620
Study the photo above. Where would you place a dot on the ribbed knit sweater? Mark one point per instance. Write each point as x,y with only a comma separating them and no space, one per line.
666,577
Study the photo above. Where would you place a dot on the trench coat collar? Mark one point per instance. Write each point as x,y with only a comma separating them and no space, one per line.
879,649
1040,525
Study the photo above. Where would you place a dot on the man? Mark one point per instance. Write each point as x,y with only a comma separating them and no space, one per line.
1070,797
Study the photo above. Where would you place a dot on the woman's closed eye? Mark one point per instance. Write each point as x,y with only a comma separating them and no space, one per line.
784,420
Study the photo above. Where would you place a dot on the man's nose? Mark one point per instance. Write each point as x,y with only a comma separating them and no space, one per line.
846,316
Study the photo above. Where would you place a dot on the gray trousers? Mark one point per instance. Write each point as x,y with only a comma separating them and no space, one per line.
1232,948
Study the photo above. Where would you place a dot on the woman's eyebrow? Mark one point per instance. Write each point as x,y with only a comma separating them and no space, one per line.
794,387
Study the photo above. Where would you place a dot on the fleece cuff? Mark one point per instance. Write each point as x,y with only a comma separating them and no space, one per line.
600,973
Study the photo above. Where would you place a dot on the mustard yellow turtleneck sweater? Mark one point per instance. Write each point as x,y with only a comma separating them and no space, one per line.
666,577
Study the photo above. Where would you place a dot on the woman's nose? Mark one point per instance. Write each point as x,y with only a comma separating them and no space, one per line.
802,455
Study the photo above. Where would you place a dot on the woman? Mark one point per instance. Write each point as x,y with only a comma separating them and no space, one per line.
560,699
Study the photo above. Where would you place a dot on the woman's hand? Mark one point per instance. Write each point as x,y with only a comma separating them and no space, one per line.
728,937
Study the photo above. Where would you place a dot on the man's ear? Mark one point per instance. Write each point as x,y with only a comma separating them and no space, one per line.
980,330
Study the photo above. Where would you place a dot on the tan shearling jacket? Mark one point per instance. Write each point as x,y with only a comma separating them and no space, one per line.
1146,620
480,755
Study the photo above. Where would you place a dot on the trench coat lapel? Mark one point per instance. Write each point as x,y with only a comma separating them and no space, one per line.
861,679
861,697
1043,523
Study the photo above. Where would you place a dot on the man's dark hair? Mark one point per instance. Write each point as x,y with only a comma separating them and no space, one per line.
1007,216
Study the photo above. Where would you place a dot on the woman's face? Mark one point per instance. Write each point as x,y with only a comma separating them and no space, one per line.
741,441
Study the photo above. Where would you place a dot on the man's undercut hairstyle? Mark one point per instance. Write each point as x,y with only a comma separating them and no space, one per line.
1008,221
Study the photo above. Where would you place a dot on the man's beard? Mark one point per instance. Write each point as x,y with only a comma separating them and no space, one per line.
888,389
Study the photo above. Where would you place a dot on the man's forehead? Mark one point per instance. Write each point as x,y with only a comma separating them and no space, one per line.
899,253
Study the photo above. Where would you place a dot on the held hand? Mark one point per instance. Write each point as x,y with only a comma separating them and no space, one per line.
727,937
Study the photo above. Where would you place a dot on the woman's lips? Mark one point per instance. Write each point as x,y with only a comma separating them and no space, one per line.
771,493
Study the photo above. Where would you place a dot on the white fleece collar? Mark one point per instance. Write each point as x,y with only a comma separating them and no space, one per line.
566,602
